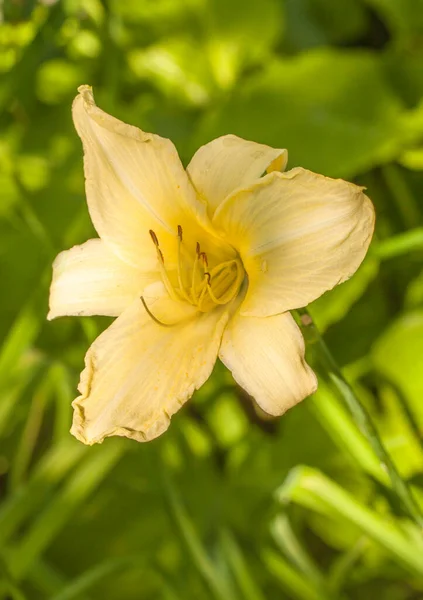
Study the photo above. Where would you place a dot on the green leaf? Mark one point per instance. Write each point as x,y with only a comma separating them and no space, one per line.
319,22
335,304
289,579
177,69
398,354
85,478
404,18
97,574
311,489
333,110
57,80
231,27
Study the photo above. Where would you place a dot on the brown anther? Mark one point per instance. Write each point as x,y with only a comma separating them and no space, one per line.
154,238
197,249
180,233
207,274
203,255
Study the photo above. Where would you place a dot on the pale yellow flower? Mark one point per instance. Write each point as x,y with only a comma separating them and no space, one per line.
197,264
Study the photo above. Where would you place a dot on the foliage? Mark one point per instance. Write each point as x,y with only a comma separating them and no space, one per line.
226,505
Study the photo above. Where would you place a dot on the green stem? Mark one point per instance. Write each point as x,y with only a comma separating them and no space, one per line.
361,417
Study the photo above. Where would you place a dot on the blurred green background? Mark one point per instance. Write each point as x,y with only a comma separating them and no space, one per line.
225,505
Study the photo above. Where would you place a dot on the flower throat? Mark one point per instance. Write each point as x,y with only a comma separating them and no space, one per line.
194,282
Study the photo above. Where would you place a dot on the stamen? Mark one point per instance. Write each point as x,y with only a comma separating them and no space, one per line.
154,238
233,288
168,285
194,275
206,284
203,255
208,289
201,298
155,319
182,289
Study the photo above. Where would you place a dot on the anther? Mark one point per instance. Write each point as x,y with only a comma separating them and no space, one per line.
204,257
197,249
154,238
180,233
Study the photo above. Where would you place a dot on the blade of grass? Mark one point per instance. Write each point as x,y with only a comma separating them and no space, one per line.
404,405
63,396
47,579
398,245
21,335
188,534
289,579
13,390
236,560
343,565
9,590
68,499
294,551
30,433
330,370
334,417
97,574
166,581
310,488
52,468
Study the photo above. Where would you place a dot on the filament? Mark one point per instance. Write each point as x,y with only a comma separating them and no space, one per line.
180,281
155,319
208,288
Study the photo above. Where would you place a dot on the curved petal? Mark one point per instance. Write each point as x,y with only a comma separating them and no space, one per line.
139,373
266,357
229,162
90,280
299,234
135,182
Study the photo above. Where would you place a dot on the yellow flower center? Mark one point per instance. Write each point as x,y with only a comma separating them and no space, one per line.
194,282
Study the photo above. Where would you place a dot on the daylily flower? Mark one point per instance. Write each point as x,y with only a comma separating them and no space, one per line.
195,265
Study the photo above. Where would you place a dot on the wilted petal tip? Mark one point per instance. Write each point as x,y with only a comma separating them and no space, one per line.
86,91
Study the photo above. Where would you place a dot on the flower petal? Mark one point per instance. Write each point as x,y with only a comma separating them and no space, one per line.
266,357
134,182
90,280
139,373
229,162
299,234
